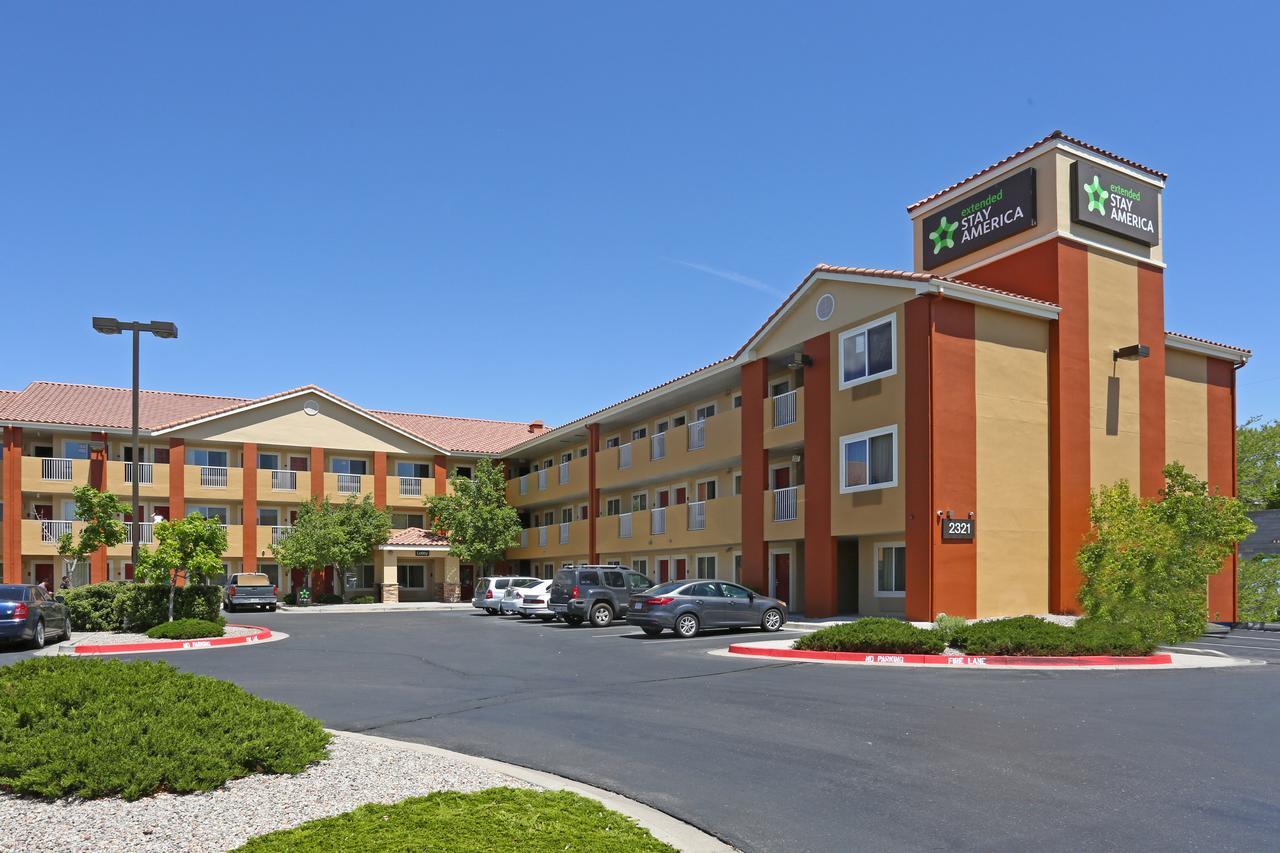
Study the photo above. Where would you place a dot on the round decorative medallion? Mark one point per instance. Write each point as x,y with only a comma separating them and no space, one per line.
311,407
826,306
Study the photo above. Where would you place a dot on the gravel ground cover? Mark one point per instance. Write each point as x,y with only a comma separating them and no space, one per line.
357,772
110,638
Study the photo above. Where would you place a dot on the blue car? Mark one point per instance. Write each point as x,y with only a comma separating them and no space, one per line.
29,614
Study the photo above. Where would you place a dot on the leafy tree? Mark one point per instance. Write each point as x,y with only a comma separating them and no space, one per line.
99,528
1260,589
189,548
1258,463
480,523
365,527
1148,561
317,539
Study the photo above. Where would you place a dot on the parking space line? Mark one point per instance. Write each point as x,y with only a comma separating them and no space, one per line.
1216,645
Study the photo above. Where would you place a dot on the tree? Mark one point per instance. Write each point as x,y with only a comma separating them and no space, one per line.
99,526
1258,463
1260,589
317,539
1148,561
190,548
364,528
481,525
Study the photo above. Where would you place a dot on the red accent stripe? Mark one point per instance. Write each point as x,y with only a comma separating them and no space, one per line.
953,660
11,494
821,586
917,460
1221,477
249,511
1151,381
178,645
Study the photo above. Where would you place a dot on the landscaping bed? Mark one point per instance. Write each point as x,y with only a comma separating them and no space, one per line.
127,638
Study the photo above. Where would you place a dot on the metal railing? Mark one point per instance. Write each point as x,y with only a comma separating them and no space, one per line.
784,409
698,515
55,469
564,473
564,533
349,484
542,537
524,484
410,487
284,481
279,532
51,530
784,504
213,478
542,480
144,473
658,520
624,455
697,435
624,526
146,531
658,445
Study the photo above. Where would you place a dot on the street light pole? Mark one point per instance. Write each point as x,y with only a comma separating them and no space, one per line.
161,329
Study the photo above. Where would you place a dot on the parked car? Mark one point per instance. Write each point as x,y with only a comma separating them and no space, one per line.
516,590
536,601
598,593
489,591
249,589
28,613
688,606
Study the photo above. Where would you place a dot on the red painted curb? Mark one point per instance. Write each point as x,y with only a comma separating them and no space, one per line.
178,645
953,660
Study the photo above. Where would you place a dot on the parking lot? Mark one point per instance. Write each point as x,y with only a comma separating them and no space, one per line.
802,757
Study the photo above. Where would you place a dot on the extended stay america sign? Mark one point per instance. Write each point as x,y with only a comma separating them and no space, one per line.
997,211
1115,202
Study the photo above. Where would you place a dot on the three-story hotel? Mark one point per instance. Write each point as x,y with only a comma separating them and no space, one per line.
888,442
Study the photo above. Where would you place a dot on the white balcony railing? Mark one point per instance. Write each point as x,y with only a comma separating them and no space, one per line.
524,538
784,504
624,455
564,473
146,531
698,515
144,473
658,445
697,434
624,526
658,520
524,484
55,469
542,480
279,532
284,481
51,530
410,487
542,537
564,533
213,478
349,484
784,409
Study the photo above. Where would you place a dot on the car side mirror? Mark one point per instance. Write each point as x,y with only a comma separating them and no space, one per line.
751,596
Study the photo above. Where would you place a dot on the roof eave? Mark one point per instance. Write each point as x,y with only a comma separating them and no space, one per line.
1235,355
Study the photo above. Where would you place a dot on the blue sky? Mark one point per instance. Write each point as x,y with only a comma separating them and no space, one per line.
440,208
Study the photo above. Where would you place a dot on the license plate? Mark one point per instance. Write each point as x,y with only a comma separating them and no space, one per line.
560,608
637,606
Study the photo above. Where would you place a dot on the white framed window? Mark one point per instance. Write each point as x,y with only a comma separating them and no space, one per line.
216,513
639,433
413,577
582,452
568,457
891,569
421,470
612,441
869,460
207,458
613,506
869,351
702,413
268,516
364,577
548,570
402,520
268,461
75,449
737,401
566,515
639,501
343,465
641,565
706,566
737,482
705,490
462,472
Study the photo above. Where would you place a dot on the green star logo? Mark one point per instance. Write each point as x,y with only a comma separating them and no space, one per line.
1097,196
941,236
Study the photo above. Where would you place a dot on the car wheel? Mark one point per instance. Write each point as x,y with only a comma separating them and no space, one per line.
37,638
271,608
524,615
573,621
602,615
772,620
686,626
490,611
651,630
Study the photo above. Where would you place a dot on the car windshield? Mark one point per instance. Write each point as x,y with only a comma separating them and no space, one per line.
665,588
13,593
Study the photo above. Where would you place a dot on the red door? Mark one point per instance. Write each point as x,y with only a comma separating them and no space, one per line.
44,572
664,498
682,495
466,582
681,563
782,577
163,512
297,579
293,517
326,585
782,478
299,463
43,512
663,567
128,571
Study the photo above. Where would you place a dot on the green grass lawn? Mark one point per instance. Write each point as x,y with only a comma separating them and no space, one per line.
493,820
100,728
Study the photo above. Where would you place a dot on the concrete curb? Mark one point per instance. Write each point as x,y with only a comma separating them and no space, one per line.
664,827
263,635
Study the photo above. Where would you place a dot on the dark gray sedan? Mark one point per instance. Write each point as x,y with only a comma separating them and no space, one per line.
688,606
29,614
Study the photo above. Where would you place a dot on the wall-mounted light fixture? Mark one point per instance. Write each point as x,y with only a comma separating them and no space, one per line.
1131,353
800,360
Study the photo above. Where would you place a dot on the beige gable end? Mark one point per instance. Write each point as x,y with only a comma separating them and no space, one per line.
854,303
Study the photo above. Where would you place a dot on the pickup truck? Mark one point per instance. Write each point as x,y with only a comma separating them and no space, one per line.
249,589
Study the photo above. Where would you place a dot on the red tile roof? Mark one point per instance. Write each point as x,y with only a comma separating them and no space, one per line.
1057,134
463,435
1209,342
416,537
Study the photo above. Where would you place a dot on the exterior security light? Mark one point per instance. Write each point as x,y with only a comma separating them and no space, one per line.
800,360
1131,353
106,325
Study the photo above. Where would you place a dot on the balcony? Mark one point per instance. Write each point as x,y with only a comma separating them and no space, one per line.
658,446
564,472
349,484
567,481
202,481
279,532
624,526
624,455
542,480
146,533
284,481
564,532
697,434
145,473
524,484
153,478
784,513
784,420
524,538
213,478
410,487
785,504
542,537
40,538
56,469
707,444
569,539
342,486
658,520
702,524
697,515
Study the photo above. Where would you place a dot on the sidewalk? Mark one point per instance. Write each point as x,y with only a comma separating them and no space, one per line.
403,606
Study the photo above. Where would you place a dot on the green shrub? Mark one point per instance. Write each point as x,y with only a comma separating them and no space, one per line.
494,819
362,599
96,607
290,598
147,604
1260,589
100,727
328,598
946,626
186,629
1028,635
874,635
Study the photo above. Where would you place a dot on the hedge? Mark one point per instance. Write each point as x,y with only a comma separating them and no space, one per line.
125,606
890,636
1029,635
186,629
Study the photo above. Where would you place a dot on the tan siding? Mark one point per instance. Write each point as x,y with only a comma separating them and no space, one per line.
1186,406
1115,447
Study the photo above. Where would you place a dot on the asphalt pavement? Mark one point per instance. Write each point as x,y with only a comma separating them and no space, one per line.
804,757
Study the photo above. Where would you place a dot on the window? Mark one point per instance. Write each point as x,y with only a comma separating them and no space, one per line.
614,579
706,490
128,453
704,590
737,568
548,518
268,517
639,433
364,577
613,506
583,512
734,591
338,465
75,449
219,513
614,563
707,566
737,401
269,461
463,471
891,569
421,470
869,460
661,427
613,441
779,388
548,569
207,458
566,515
582,452
589,578
640,565
867,351
567,457
640,502
737,482
401,520
161,455
704,412
677,421
411,576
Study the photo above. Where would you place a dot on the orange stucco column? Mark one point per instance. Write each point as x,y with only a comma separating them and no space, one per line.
177,479
317,474
440,470
1222,477
11,494
755,467
916,460
98,479
1151,381
593,495
249,515
380,479
821,579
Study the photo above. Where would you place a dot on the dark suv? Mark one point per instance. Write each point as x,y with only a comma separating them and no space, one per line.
598,593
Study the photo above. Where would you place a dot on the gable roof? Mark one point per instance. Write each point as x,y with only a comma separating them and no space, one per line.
416,537
1204,346
463,435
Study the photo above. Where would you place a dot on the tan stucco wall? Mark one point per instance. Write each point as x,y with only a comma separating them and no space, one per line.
869,604
1186,406
1011,367
855,303
1113,323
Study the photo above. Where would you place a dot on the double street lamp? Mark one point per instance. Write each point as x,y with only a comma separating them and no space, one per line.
161,329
